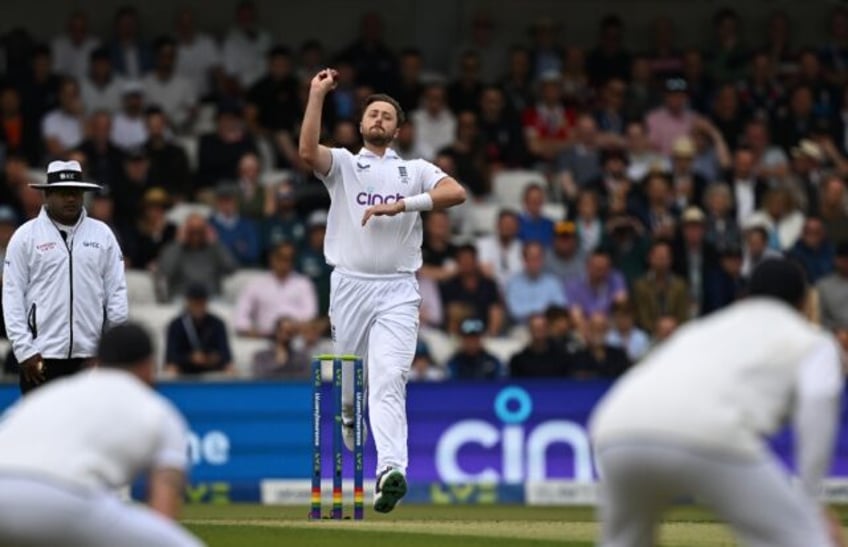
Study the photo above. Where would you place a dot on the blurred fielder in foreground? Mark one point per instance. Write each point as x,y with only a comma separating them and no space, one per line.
692,418
68,446
374,243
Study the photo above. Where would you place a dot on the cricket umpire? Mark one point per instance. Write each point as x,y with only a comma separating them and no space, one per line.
692,418
63,282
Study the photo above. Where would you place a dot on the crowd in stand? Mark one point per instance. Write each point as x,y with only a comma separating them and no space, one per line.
673,172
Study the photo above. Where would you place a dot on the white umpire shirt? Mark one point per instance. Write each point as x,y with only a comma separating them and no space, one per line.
385,245
726,382
59,296
96,430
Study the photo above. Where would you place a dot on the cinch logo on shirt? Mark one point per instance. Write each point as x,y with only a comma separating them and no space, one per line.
367,198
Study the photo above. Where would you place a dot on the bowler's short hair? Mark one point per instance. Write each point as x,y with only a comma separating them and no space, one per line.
382,97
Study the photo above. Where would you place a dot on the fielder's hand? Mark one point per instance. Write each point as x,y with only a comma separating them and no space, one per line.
32,369
383,209
834,525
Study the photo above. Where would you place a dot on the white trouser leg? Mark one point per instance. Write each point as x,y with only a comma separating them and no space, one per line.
35,514
755,497
352,309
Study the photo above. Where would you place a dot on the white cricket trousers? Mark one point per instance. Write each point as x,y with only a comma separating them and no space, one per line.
37,513
756,498
377,318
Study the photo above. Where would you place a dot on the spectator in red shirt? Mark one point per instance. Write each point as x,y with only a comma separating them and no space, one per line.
547,125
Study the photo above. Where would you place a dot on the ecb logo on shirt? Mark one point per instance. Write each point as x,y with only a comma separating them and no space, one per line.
404,177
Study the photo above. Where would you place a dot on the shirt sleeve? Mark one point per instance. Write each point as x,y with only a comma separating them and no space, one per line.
819,387
15,314
338,155
172,449
429,175
244,309
115,283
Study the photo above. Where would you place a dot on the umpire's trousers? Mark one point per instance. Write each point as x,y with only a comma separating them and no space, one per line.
53,368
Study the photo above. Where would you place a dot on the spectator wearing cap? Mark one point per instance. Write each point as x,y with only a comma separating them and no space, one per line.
434,123
423,368
472,361
609,59
220,151
169,166
500,254
169,90
813,251
128,129
580,163
133,184
533,225
673,119
627,243
565,259
695,259
18,135
804,180
598,359
284,359
8,223
687,181
756,237
542,357
194,257
728,284
832,292
597,290
197,341
625,335
311,262
145,238
532,290
276,93
660,291
285,224
72,48
548,123
238,234
282,292
100,87
62,127
471,293
131,56
105,161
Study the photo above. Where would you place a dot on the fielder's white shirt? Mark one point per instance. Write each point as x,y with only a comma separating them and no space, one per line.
724,382
97,430
386,245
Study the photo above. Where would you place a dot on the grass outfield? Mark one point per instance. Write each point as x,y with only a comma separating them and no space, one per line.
427,525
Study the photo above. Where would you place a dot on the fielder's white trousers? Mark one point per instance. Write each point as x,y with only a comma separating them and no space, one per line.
377,318
38,513
756,498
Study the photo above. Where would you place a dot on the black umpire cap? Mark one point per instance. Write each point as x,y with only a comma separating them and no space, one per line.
124,346
779,278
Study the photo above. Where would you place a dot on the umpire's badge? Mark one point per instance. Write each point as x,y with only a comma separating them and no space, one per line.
404,177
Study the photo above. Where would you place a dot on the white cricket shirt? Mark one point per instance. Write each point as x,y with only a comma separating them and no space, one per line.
386,245
724,382
96,430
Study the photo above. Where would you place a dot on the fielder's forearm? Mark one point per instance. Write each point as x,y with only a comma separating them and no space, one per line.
310,130
447,193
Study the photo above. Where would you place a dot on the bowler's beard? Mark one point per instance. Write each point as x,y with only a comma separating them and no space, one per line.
378,139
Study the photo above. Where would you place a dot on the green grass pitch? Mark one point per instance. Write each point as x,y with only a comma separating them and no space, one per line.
427,525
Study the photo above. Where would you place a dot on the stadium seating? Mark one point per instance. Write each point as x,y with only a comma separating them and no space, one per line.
508,186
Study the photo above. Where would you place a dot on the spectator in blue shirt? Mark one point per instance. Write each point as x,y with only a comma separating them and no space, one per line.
533,226
533,290
472,361
238,234
813,251
197,341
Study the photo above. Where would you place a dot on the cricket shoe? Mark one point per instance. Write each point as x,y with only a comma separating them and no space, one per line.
349,434
390,488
